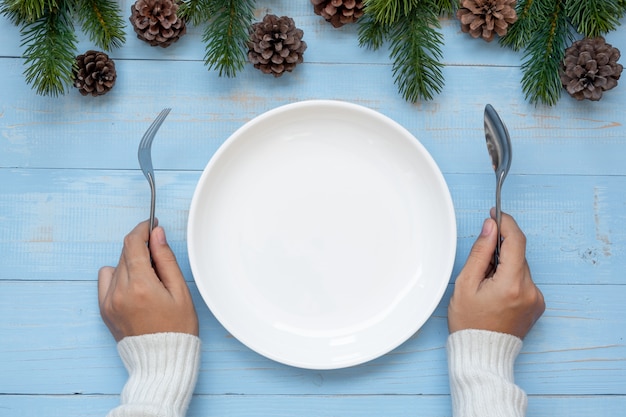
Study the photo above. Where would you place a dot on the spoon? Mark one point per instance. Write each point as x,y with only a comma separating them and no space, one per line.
499,147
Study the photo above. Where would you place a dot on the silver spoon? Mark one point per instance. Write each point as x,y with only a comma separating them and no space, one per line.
499,147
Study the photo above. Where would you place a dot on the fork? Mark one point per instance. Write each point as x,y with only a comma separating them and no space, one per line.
144,154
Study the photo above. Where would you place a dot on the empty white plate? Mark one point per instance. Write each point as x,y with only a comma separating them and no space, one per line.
322,234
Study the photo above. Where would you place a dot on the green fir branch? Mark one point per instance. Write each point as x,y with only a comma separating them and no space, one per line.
102,21
196,12
26,11
544,54
593,18
388,12
520,33
445,7
50,44
371,33
49,39
412,27
543,30
415,50
227,35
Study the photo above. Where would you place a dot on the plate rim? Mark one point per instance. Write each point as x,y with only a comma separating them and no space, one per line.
433,166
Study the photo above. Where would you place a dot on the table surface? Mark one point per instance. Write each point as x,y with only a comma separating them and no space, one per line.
71,188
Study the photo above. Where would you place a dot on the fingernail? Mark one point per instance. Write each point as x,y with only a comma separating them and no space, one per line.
160,235
487,227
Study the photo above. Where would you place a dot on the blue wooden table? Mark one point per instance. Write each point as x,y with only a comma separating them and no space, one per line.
70,189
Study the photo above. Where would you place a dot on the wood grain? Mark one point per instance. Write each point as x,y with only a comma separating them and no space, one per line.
63,224
306,406
79,132
576,348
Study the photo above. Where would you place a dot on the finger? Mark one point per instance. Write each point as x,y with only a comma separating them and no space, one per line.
481,254
105,279
513,250
541,302
142,230
135,255
156,223
165,262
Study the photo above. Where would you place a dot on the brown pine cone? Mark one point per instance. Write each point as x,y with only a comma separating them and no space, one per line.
94,73
589,68
486,17
339,12
156,22
275,45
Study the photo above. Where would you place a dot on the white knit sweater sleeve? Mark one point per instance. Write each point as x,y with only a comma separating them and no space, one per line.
162,373
480,365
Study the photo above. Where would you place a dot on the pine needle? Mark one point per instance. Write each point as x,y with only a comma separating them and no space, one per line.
196,12
520,33
102,21
227,35
416,52
27,11
593,18
445,7
372,33
544,54
388,12
50,44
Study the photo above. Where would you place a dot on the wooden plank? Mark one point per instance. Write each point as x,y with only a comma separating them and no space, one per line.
65,224
307,406
54,342
79,132
77,191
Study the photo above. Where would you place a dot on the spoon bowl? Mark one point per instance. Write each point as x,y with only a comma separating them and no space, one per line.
499,147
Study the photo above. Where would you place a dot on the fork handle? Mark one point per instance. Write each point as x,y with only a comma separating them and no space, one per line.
152,204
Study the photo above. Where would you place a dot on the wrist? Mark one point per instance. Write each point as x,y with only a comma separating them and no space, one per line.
481,374
490,351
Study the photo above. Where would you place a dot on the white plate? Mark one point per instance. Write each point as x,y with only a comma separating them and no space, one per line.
322,234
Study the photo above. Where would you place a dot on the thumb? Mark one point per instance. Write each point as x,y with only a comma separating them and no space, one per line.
105,280
481,254
165,263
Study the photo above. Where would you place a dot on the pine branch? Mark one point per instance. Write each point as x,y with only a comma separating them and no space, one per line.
540,80
50,44
445,7
102,21
388,12
519,34
416,52
26,11
227,35
593,18
371,32
196,12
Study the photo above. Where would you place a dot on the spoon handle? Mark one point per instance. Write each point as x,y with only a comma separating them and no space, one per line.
496,256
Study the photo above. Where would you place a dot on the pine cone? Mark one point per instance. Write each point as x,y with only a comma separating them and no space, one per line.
94,73
589,68
155,22
339,12
275,45
486,17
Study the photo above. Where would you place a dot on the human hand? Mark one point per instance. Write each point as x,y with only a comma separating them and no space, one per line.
507,301
138,298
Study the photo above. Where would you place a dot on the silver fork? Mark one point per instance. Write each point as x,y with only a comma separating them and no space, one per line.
144,154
